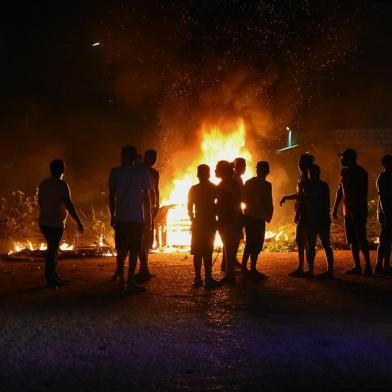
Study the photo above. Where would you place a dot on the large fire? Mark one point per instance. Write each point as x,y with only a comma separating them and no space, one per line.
215,145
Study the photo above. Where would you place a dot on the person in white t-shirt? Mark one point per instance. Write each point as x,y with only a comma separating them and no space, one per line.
128,190
54,199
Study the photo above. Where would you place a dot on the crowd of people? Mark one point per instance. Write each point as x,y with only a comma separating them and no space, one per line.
233,208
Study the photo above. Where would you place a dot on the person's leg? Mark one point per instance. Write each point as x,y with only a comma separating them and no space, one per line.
299,238
231,256
223,264
311,237
120,261
207,261
387,257
246,254
245,258
53,237
364,245
197,260
210,281
228,239
355,252
381,251
352,239
132,266
253,261
146,244
237,246
120,238
257,234
134,238
324,234
143,257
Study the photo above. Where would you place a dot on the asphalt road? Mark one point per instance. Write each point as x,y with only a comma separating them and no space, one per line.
273,335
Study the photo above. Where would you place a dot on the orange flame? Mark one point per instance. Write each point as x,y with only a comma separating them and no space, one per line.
215,145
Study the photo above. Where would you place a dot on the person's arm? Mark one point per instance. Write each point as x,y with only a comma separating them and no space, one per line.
71,209
338,199
39,199
270,203
147,207
326,202
288,197
112,205
112,199
147,202
190,205
385,202
157,201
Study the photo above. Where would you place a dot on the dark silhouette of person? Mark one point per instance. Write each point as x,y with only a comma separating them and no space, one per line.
239,170
257,196
304,163
54,199
229,216
151,209
239,165
314,212
353,190
384,188
128,191
201,210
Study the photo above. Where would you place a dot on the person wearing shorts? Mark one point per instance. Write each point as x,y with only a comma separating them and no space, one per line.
317,221
257,196
229,216
201,210
128,190
54,200
353,190
151,209
304,163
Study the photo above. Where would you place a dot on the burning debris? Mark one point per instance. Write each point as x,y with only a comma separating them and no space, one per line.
27,251
19,228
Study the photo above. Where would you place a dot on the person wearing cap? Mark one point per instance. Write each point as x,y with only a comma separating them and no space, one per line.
228,210
257,196
384,212
353,191
304,163
201,210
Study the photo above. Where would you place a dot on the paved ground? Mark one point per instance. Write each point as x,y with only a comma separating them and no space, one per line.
281,333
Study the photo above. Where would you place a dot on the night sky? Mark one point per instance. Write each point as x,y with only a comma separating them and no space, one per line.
163,67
